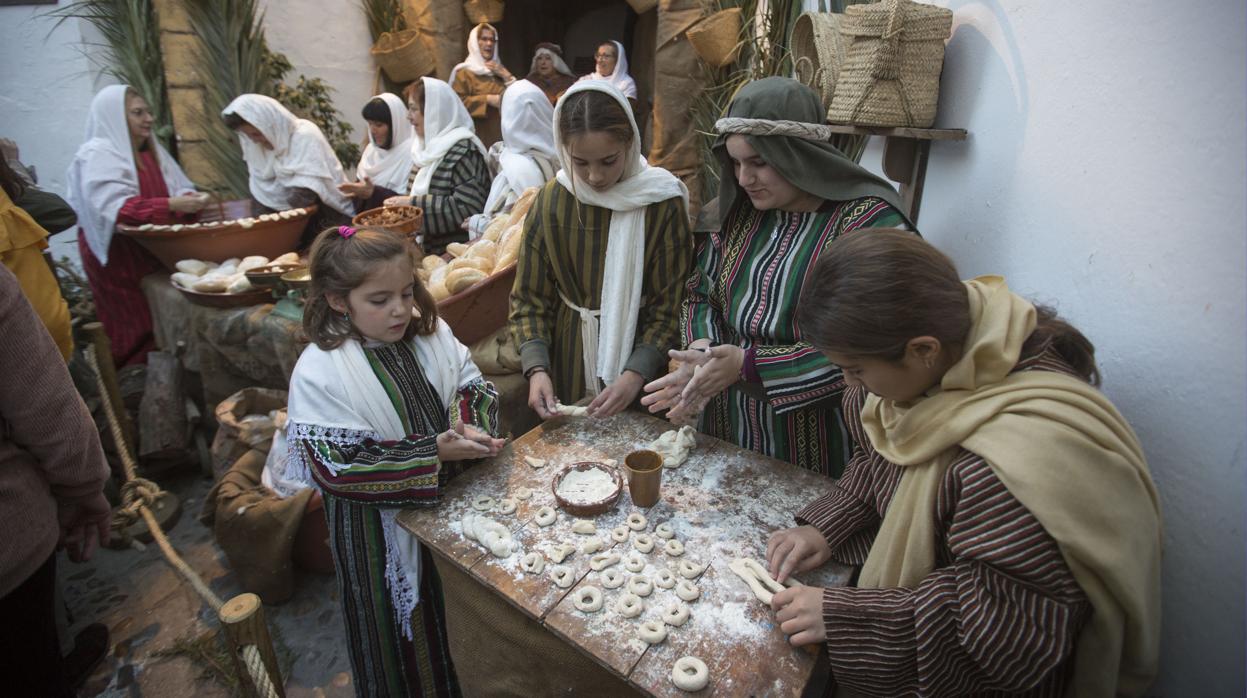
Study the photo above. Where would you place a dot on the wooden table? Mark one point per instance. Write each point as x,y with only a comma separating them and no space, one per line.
722,502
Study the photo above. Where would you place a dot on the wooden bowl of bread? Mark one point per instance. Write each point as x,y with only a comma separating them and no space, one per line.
224,231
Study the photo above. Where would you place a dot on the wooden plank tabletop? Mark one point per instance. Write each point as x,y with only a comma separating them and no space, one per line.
722,503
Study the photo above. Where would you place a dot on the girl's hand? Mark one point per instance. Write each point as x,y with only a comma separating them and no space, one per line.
617,396
720,370
358,190
795,550
541,395
453,445
471,432
397,201
799,611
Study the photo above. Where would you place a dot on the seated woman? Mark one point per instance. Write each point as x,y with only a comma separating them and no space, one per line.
290,162
612,66
1001,507
451,179
480,80
550,72
387,158
785,199
122,175
525,157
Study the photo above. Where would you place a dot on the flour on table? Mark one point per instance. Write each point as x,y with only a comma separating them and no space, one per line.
586,486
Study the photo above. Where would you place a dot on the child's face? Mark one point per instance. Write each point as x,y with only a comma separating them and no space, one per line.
921,368
381,307
597,158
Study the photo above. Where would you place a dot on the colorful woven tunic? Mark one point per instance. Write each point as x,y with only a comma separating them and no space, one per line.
744,291
361,477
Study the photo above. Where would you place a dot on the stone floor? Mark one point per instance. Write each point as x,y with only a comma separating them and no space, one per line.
147,607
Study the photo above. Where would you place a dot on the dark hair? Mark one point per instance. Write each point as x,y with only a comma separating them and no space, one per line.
377,110
415,93
593,110
340,264
874,289
10,181
233,121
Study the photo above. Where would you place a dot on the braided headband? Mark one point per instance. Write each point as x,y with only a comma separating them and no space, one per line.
769,127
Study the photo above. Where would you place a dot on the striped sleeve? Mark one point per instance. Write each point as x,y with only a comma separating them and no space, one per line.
668,258
478,406
459,188
534,296
699,316
387,473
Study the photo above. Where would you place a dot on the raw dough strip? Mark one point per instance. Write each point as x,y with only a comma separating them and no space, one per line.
561,551
612,578
619,534
601,561
636,522
690,674
591,546
630,605
572,410
584,527
758,579
588,600
535,462
652,632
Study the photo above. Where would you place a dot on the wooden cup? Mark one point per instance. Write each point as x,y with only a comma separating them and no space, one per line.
644,470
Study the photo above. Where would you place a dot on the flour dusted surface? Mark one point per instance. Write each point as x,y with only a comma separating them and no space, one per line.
586,486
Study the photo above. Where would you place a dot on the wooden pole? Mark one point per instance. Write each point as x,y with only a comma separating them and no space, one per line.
108,371
242,617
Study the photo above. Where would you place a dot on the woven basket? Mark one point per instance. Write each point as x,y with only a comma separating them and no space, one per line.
404,55
891,71
642,6
717,38
484,11
817,52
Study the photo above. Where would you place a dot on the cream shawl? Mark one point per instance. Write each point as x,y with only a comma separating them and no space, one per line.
390,167
446,122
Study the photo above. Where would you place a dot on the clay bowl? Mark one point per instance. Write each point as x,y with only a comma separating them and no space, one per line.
587,508
407,220
255,296
218,243
269,275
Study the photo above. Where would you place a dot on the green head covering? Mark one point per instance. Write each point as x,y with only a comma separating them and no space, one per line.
816,167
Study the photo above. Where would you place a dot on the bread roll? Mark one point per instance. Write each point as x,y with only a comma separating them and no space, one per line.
432,261
477,263
494,230
509,249
484,249
437,288
184,279
288,258
522,204
457,249
252,262
238,283
192,266
463,279
423,275
211,284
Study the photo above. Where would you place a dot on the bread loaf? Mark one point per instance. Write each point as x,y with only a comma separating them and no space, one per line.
494,230
211,284
484,249
509,248
192,266
432,261
522,204
477,263
288,258
238,284
184,279
457,249
252,262
463,279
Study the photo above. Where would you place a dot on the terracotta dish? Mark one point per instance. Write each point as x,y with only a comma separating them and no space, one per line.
588,508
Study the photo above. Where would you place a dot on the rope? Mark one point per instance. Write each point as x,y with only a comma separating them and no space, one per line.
774,127
136,495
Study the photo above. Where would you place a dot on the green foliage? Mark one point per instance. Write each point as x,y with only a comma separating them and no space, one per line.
309,98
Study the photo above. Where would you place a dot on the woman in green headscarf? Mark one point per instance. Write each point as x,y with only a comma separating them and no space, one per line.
786,194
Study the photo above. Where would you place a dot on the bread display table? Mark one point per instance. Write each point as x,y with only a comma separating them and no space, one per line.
722,503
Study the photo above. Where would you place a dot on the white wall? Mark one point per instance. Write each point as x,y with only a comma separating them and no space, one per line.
1105,174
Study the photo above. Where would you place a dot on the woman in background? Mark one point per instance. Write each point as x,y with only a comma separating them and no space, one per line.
550,72
480,80
387,159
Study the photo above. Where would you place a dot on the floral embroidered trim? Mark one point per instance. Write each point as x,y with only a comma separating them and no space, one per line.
297,467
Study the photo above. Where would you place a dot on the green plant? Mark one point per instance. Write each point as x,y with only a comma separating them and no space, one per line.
310,99
131,47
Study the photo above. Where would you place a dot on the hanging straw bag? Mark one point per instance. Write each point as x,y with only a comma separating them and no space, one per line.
403,55
484,11
717,37
891,71
817,52
642,6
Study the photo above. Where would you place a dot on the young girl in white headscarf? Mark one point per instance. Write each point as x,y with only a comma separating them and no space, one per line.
121,174
451,178
612,66
601,267
480,80
290,162
387,158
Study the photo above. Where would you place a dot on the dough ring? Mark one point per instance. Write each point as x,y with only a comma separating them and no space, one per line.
591,546
687,590
620,534
759,580
640,585
601,561
652,632
674,548
675,615
483,502
584,527
637,522
499,543
634,563
523,493
612,578
629,606
561,551
690,569
664,530
507,506
664,579
643,542
545,516
533,563
588,600
562,576
690,674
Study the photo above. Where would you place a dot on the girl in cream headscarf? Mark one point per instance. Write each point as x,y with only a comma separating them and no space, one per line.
480,80
388,157
1001,508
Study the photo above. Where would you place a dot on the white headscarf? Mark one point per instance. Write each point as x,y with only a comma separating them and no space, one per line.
559,64
620,77
639,186
390,167
446,122
102,175
301,156
475,61
526,152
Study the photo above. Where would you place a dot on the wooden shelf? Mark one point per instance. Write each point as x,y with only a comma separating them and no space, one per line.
922,134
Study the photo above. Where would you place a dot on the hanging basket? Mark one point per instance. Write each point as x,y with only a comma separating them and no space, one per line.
642,6
484,11
717,38
817,52
403,55
891,71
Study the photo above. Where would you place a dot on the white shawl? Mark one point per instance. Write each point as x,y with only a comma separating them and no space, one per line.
559,64
102,175
619,77
301,157
526,153
390,167
336,397
446,122
475,61
638,187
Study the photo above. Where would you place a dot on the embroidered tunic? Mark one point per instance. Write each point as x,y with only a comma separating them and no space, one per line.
744,291
999,615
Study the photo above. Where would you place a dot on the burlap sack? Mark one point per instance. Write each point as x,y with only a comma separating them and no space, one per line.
244,423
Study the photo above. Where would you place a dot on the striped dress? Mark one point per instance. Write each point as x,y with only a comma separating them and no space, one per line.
1000,613
564,252
743,291
357,482
459,188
